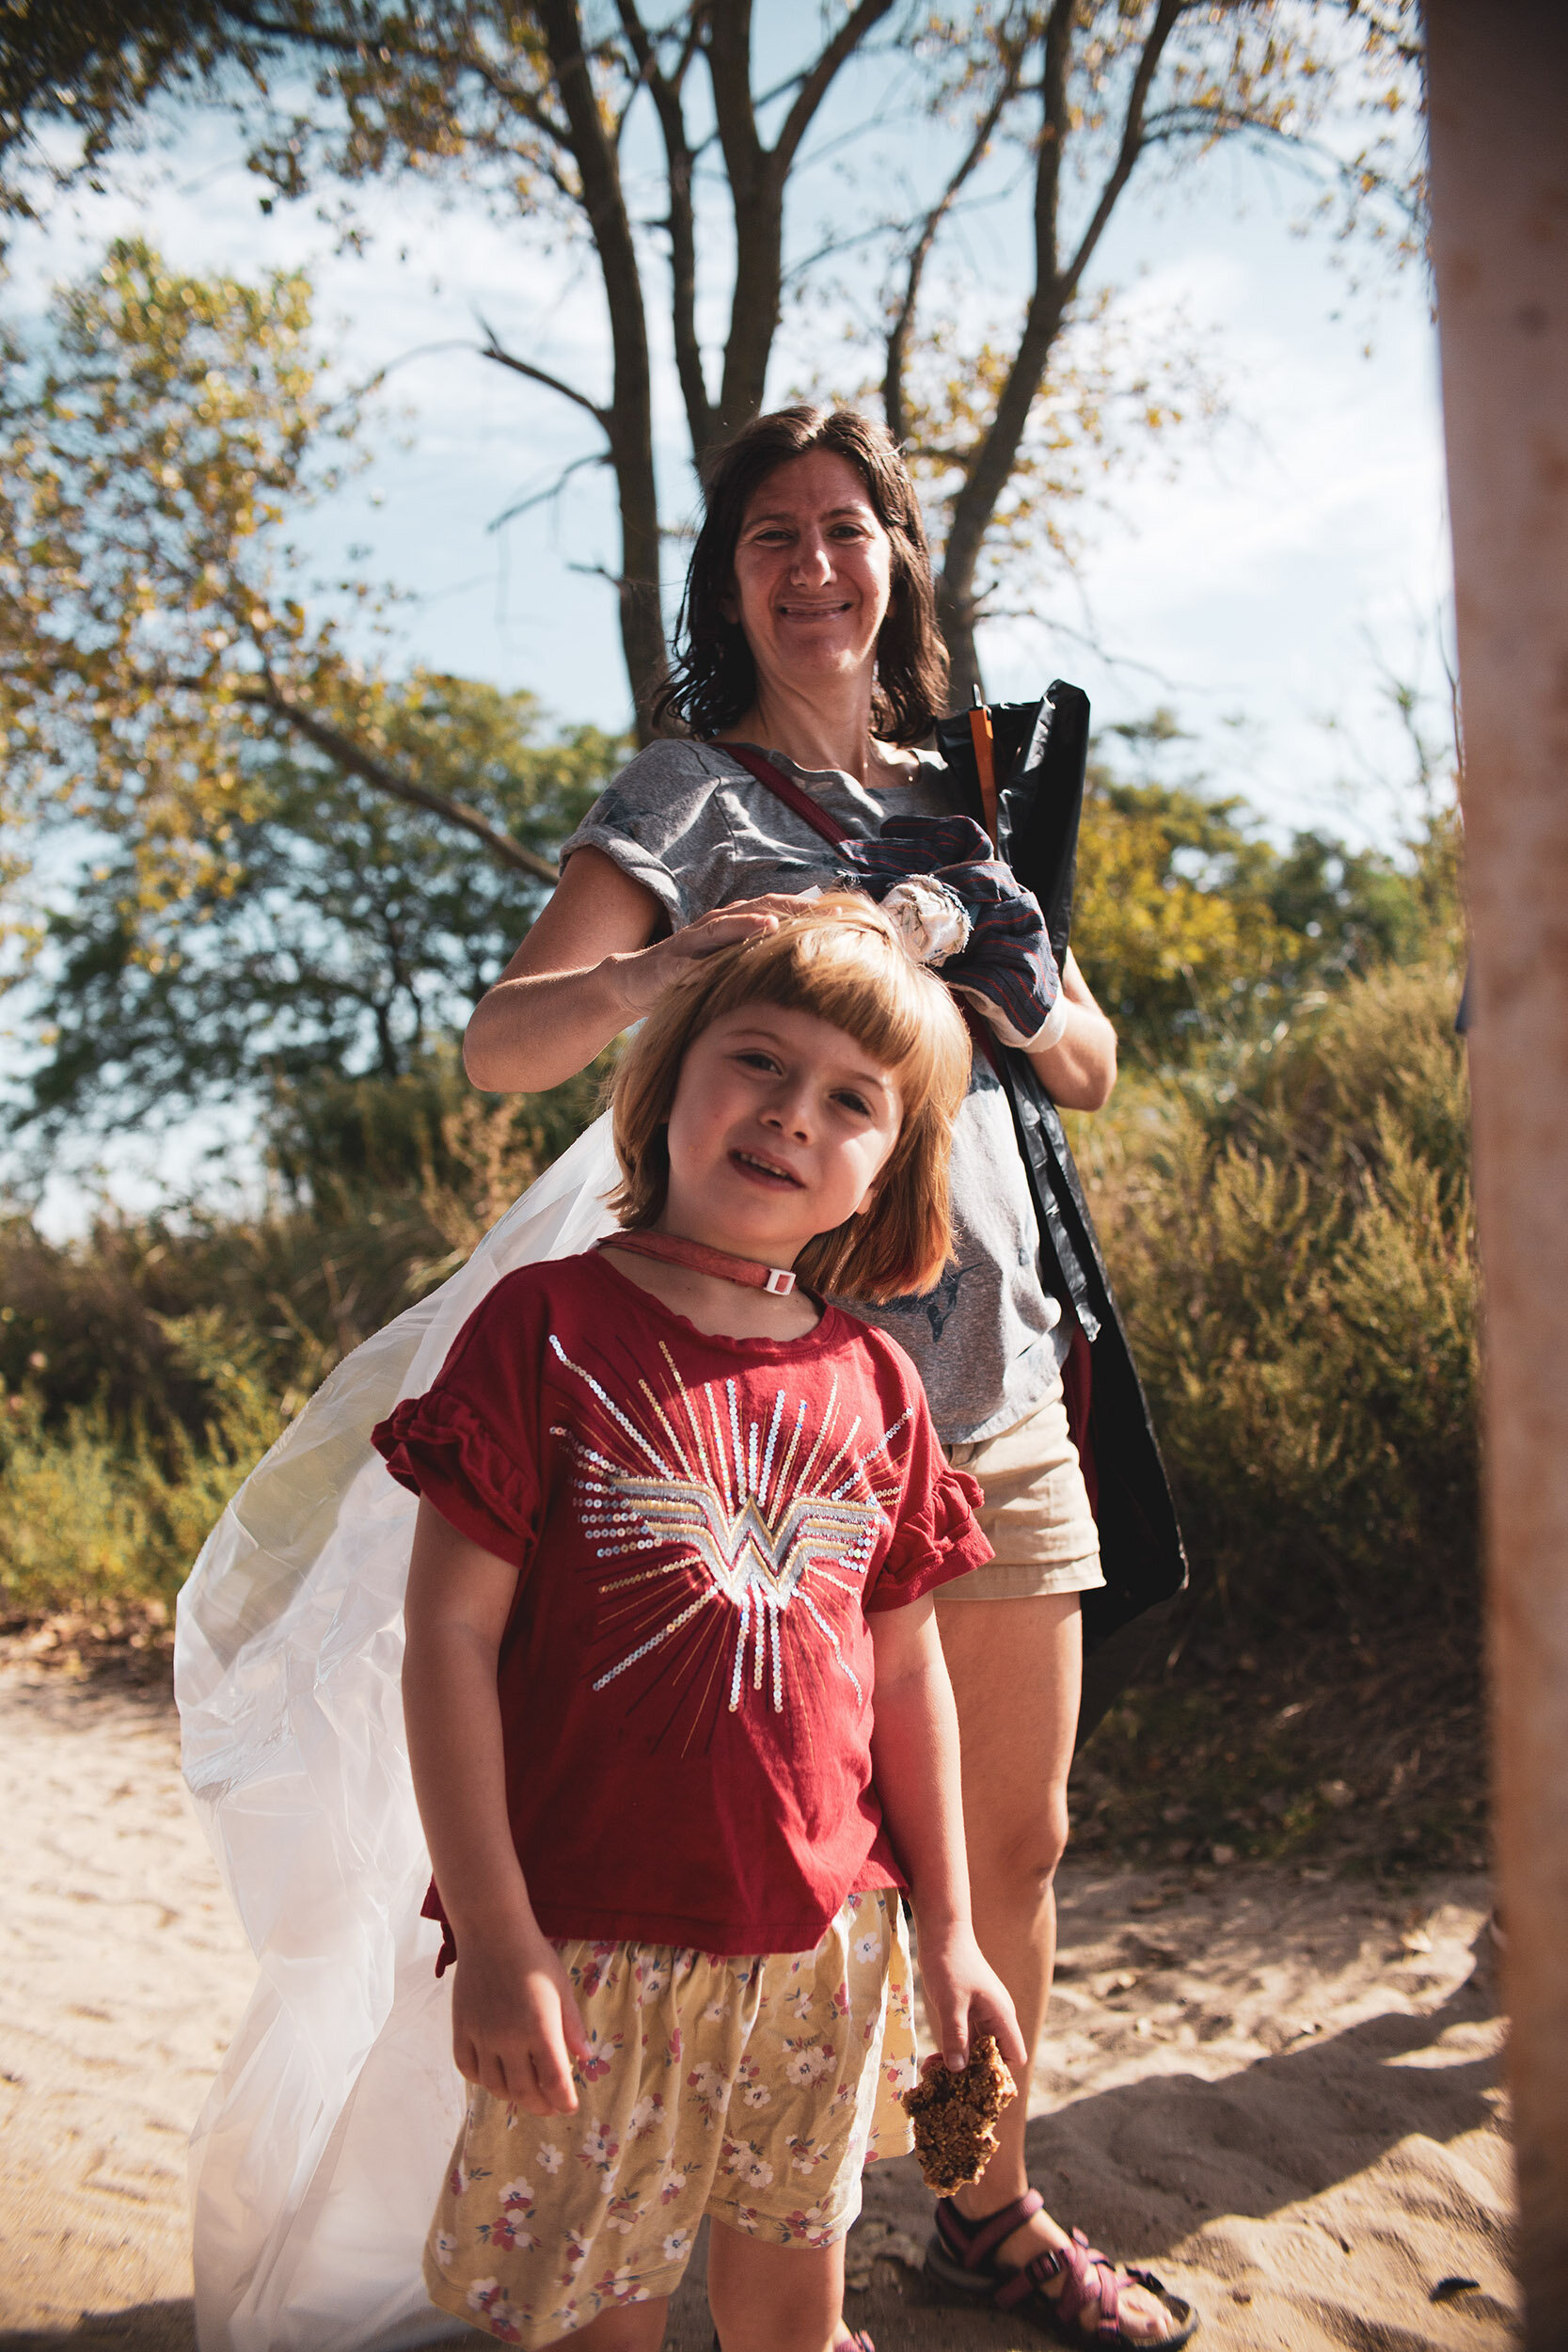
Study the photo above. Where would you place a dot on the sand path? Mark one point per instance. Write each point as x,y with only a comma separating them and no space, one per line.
1280,2088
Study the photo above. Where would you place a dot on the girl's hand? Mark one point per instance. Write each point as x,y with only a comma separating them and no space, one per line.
965,1998
514,2022
642,976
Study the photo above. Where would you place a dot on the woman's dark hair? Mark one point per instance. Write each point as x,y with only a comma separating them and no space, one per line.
714,681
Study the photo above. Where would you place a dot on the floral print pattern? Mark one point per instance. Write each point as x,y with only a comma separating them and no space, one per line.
713,2086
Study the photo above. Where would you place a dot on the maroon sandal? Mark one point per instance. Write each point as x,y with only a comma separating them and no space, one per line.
962,2261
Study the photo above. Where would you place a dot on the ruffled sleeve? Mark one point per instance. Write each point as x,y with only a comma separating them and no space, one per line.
440,1447
936,1540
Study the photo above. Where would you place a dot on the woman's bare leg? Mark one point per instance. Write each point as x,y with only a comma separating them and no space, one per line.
773,2298
1016,1670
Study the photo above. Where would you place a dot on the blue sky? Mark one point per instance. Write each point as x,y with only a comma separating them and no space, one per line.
1262,574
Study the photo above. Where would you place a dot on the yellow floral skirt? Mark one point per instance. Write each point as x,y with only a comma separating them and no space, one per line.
754,2089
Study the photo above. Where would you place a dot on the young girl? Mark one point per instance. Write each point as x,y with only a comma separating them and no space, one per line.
677,1713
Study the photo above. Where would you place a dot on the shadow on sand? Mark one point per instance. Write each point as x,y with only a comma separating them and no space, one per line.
1140,2168
141,2327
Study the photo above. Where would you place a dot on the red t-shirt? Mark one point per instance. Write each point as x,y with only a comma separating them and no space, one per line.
701,1526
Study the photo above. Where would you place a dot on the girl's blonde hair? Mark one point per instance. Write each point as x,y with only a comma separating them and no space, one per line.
842,962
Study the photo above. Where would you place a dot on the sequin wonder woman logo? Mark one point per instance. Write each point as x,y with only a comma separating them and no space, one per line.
770,1517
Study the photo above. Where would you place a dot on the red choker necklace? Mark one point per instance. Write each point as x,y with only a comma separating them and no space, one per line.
678,1251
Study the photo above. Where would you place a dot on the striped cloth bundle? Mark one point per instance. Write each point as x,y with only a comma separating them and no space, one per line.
1006,968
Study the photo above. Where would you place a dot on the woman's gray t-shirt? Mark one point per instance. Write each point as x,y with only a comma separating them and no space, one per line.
698,830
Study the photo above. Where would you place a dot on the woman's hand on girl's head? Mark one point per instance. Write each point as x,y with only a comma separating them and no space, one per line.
965,1998
642,977
514,2022
587,970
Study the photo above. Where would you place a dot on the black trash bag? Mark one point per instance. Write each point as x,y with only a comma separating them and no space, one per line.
1040,753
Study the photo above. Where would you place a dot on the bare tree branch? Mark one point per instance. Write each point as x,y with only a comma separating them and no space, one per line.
628,421
1166,17
352,756
898,334
991,464
526,102
666,92
420,351
541,498
818,78
493,349
757,176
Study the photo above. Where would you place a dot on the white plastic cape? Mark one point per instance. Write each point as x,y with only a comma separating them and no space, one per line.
317,2158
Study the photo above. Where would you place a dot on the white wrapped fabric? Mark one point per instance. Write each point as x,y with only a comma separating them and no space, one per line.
317,2158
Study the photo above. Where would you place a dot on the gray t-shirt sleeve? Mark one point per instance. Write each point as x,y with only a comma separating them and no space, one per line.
664,822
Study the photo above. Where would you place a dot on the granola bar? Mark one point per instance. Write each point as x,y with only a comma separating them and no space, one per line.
955,2116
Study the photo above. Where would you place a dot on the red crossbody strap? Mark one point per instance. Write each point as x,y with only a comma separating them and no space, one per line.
819,820
792,795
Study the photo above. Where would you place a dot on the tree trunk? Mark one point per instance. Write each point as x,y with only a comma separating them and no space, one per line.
956,619
758,177
1499,181
757,196
755,313
990,467
630,415
641,607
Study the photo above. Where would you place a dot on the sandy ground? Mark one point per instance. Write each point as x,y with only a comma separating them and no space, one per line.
1280,2088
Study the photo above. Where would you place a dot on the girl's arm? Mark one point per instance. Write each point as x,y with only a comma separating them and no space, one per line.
1080,1068
914,1758
514,2022
586,972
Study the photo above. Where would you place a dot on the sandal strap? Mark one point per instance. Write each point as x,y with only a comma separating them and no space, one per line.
972,2241
1086,2275
1081,2261
1020,2284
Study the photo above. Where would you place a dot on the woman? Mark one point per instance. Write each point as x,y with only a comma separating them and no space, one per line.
810,635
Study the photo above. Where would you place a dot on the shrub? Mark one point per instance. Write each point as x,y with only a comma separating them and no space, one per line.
146,1369
97,1514
1291,1230
1292,1238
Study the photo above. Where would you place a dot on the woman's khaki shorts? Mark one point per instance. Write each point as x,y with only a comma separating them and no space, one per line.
1036,1512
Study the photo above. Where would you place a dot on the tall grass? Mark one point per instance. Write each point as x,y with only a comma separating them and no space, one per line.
147,1369
1291,1230
97,1515
1293,1235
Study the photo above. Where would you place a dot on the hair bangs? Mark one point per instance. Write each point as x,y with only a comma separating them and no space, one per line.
851,972
842,962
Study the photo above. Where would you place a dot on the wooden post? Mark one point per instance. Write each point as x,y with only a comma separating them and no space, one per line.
1500,194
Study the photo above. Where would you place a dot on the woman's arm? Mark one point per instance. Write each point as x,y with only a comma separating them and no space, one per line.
914,1759
586,971
1079,1070
514,2022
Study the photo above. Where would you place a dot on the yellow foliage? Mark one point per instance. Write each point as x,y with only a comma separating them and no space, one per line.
92,1516
148,455
1293,1237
